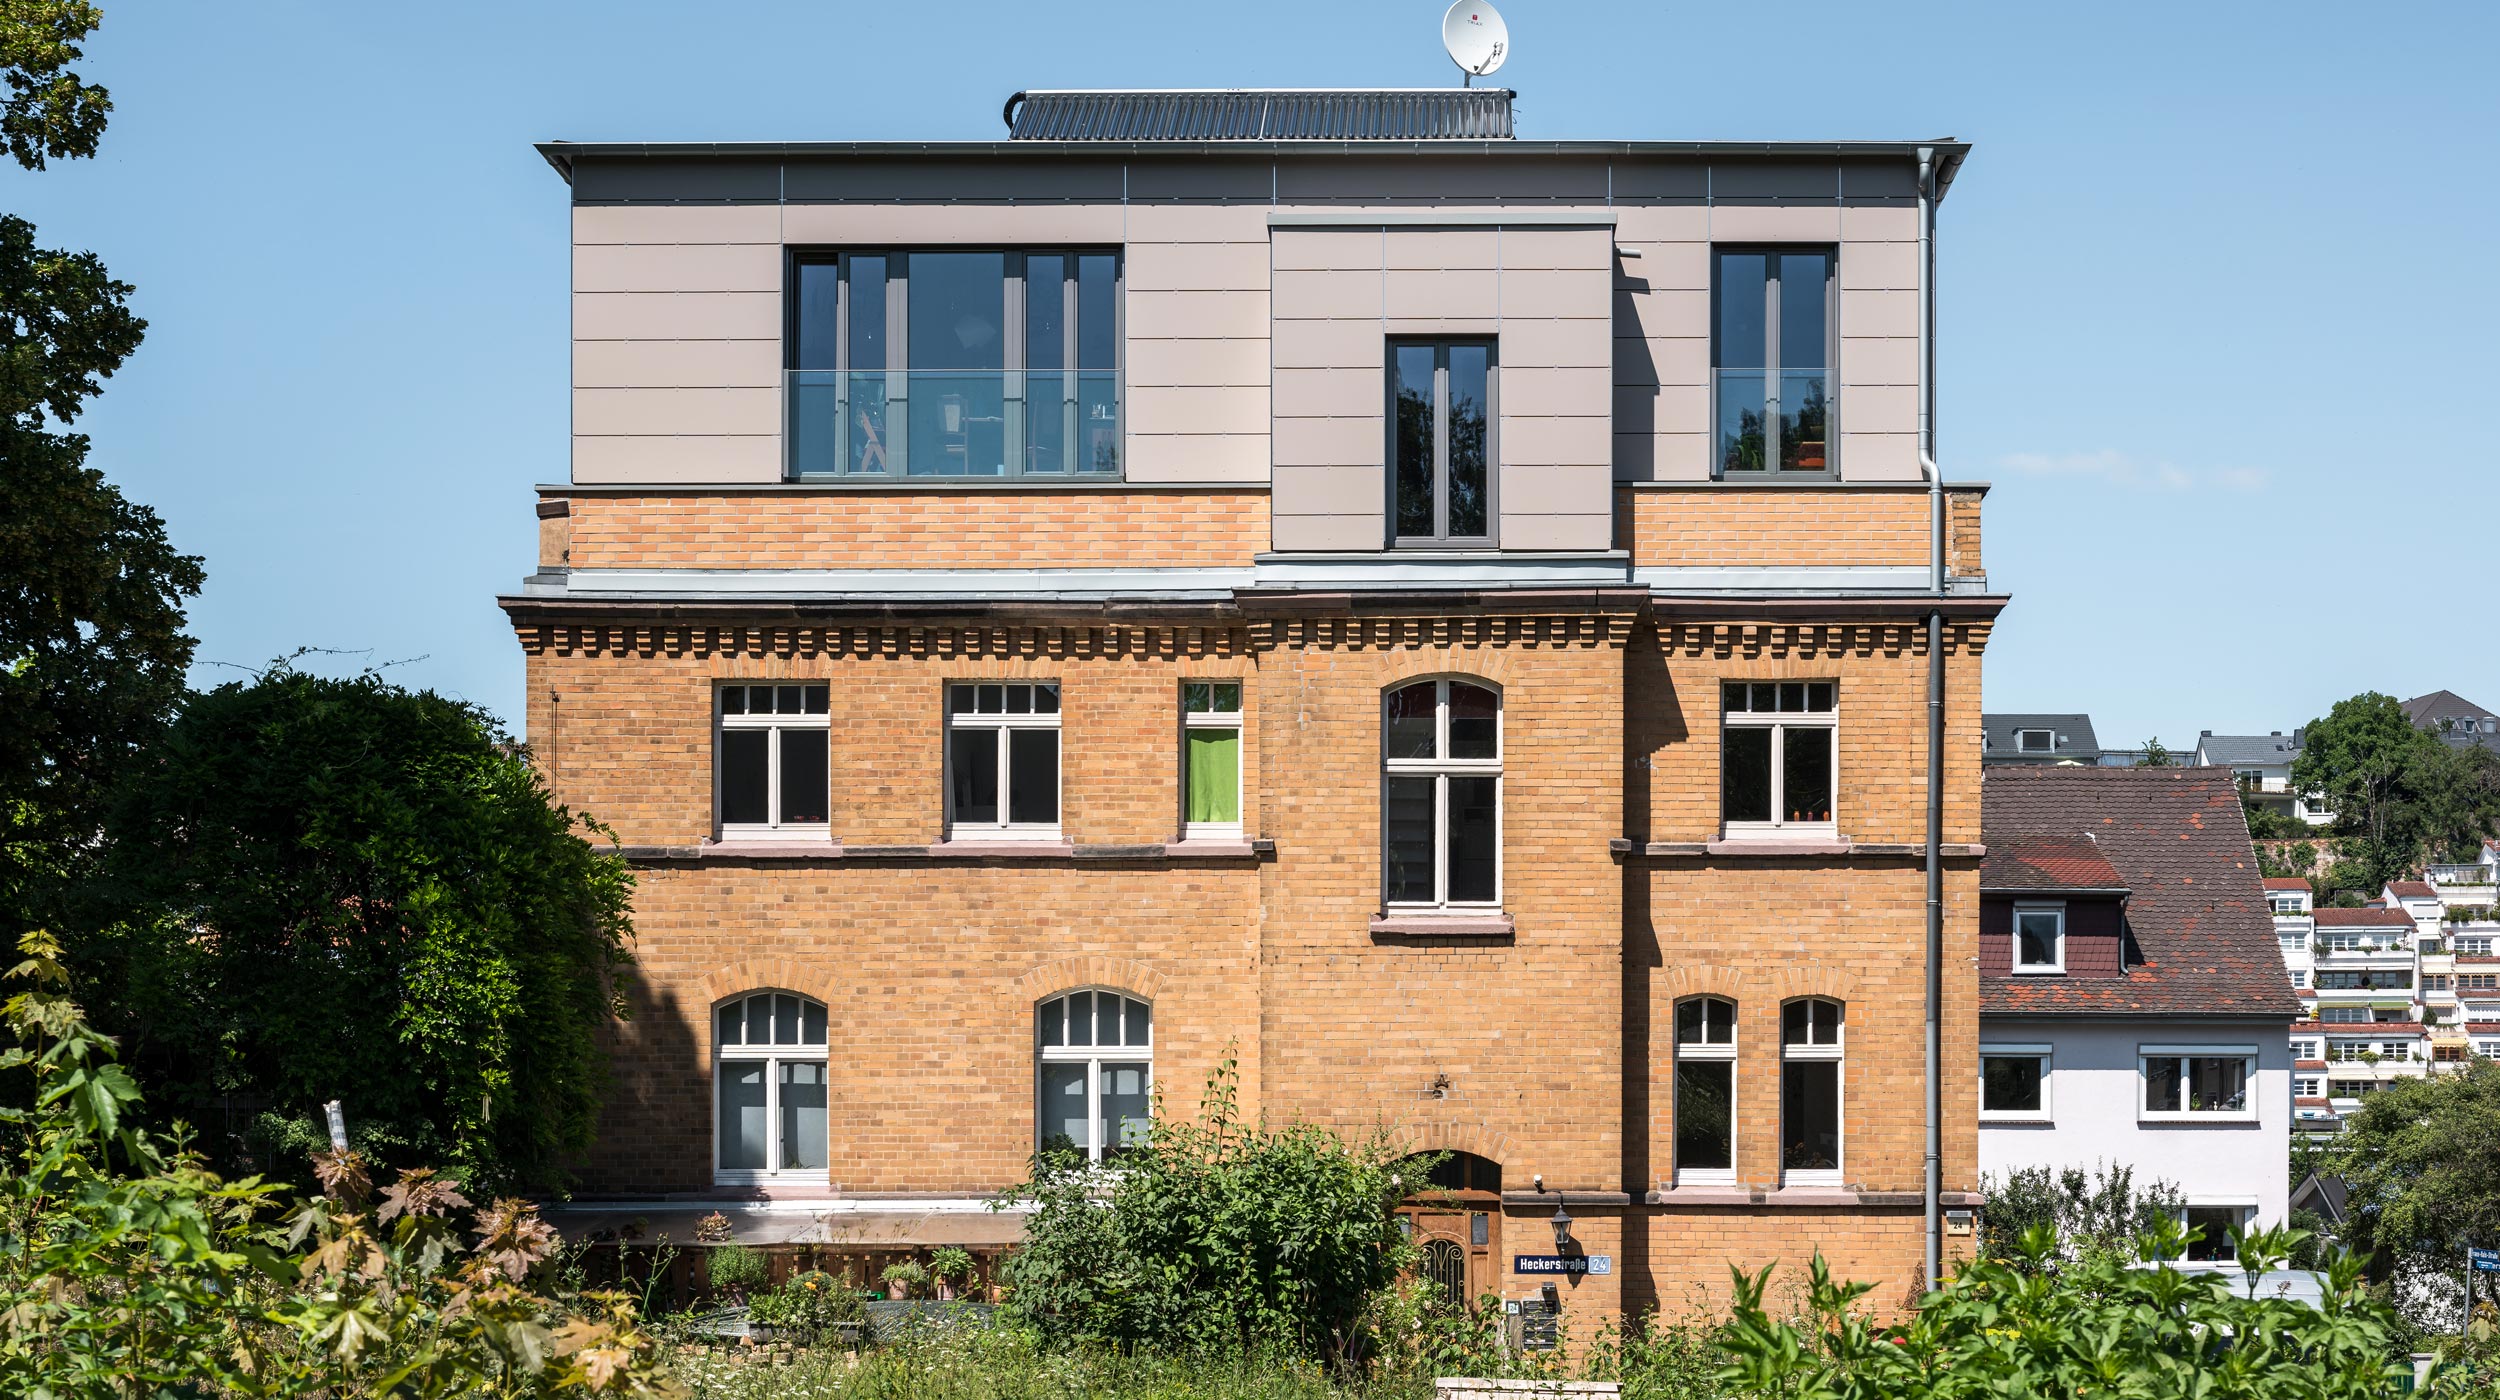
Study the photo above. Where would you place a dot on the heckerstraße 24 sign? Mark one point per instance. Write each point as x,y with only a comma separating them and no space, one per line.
1568,1264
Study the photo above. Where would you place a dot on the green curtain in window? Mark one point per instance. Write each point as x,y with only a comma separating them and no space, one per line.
1215,775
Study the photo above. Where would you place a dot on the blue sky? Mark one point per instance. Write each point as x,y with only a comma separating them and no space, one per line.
2217,287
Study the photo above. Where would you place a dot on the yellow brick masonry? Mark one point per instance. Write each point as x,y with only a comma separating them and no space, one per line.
1554,1041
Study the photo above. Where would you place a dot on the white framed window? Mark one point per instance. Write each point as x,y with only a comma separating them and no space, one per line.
1810,1092
2014,1083
1210,759
1002,760
2035,741
2471,945
2199,1083
2214,1221
2300,977
1779,760
1705,1092
2039,938
2308,1086
1441,796
768,1053
2305,1050
1093,1078
2343,1015
772,775
2489,1049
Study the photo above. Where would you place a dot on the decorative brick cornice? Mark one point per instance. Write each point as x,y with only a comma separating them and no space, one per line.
1907,637
564,637
1741,984
1704,979
1814,979
1070,974
1573,630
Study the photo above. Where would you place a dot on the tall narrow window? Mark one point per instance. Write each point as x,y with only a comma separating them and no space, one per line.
1810,1050
1776,771
1705,1092
953,363
1441,795
1771,352
1002,760
1442,421
773,779
768,1050
1211,762
1094,1083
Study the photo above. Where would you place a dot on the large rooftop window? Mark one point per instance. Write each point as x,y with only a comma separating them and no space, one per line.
955,364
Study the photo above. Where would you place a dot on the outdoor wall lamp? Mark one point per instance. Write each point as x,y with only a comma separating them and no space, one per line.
1562,1230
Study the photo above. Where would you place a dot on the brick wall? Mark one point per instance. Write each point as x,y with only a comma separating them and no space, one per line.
851,529
1718,524
1553,1039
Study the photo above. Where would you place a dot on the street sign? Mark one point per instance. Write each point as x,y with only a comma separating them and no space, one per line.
1571,1264
2483,1261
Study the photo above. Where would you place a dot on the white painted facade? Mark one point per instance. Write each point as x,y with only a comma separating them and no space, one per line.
2093,1109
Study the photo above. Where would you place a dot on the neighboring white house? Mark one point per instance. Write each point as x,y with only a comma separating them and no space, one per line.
2133,1002
2262,765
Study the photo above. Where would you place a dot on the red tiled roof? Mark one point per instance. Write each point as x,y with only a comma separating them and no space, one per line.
2364,918
2201,936
2049,863
2313,1103
2286,882
2371,1027
2412,889
2308,1064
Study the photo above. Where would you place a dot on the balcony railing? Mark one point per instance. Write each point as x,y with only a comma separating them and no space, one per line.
1053,425
2460,874
1773,420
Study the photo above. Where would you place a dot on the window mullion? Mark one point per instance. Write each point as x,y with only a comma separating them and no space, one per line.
1440,838
1441,451
1771,362
1005,779
772,778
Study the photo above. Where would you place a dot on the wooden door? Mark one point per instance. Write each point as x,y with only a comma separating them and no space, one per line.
1459,1242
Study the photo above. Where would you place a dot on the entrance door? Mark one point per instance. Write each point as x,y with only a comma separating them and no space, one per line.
1456,1223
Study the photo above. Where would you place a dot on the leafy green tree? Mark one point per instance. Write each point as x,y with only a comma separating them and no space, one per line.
1218,1236
341,889
2421,1161
2088,1213
92,651
2156,756
2400,795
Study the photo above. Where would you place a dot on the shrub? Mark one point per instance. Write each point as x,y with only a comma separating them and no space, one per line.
1212,1235
904,1275
2101,1325
950,1264
132,1268
734,1269
2089,1212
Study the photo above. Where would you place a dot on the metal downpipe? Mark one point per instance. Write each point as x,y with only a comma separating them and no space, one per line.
1933,1185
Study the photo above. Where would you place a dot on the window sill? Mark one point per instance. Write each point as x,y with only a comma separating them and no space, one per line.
1747,1196
2209,1120
1785,846
2015,1120
1173,852
2058,971
1443,928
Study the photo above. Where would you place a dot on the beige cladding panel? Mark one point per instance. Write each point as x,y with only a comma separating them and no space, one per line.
1167,457
1529,488
1533,392
1754,223
1559,344
676,364
1232,409
1867,360
1448,295
677,267
1333,393
1439,249
1197,363
676,223
637,459
677,316
1578,533
1305,442
1325,296
1665,267
1557,442
1197,267
676,412
1196,316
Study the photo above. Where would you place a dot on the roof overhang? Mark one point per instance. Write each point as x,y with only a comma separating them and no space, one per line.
564,156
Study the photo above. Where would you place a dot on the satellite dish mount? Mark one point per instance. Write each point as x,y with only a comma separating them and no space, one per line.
1477,39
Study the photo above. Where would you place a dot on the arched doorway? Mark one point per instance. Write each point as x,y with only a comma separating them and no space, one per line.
1455,1217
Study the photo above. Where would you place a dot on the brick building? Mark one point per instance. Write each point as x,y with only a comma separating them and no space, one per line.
1435,619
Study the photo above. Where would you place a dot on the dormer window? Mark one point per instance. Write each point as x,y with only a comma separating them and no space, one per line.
2035,741
2039,938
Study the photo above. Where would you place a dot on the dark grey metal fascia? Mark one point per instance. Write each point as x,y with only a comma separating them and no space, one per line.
562,155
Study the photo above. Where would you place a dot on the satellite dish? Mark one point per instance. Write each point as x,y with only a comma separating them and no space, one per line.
1477,39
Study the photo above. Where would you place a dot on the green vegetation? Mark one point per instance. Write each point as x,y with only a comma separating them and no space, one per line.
2421,1160
341,889
2401,797
92,652
2089,1214
1217,1235
129,1268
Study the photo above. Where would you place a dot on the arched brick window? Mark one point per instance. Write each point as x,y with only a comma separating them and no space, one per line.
1705,1092
1810,1091
768,1089
1093,1073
